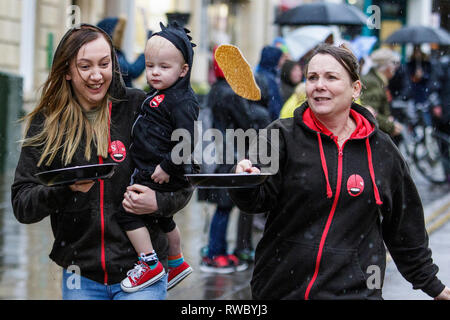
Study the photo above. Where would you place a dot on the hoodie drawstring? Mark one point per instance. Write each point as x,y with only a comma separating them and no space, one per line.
324,166
372,173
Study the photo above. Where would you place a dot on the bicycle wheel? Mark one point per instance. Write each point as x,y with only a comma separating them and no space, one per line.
431,157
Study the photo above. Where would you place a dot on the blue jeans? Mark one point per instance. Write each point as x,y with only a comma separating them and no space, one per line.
76,287
218,233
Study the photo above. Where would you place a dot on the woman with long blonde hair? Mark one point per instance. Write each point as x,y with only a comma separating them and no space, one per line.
84,116
65,112
343,195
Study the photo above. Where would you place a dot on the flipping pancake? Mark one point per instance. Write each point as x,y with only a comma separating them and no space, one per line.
237,71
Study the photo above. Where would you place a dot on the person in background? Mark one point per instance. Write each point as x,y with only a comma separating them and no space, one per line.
115,28
376,94
342,192
400,89
420,71
441,110
294,101
229,111
291,75
271,60
84,116
259,119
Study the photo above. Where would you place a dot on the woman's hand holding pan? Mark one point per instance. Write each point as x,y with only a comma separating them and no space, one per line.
82,186
246,166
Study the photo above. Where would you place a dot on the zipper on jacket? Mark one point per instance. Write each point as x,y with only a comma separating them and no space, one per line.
102,226
329,220
142,110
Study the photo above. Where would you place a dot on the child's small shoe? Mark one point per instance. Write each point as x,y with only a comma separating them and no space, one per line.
177,274
141,276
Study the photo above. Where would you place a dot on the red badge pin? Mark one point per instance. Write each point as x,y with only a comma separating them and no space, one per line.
154,103
355,185
118,151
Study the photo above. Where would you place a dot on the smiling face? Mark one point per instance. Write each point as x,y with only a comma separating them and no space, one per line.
329,88
164,63
90,73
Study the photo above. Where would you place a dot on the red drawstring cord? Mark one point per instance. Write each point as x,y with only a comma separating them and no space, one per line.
372,173
324,166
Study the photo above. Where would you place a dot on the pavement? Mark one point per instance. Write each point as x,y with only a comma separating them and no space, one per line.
194,224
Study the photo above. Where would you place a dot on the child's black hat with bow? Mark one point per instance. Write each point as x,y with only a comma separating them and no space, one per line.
180,39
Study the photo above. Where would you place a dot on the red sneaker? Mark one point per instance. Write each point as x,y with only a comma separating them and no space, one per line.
176,275
141,276
219,264
237,263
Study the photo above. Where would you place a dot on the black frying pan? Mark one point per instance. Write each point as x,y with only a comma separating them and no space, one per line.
67,176
227,180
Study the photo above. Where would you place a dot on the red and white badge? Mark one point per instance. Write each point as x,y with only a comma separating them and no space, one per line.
156,101
355,185
118,151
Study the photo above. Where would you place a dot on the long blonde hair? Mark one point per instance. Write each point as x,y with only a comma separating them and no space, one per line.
65,123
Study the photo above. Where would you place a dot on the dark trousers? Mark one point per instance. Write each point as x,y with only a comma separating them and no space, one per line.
130,221
218,232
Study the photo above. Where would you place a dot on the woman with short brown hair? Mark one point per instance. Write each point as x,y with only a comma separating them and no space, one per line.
342,192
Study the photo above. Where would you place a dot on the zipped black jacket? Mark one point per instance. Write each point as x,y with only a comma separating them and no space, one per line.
84,224
162,112
332,210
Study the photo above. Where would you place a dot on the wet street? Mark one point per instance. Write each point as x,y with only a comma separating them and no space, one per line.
26,272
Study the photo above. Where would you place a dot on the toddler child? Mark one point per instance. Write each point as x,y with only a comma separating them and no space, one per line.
171,104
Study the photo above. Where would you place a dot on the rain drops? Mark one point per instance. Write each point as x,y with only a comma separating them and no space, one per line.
308,235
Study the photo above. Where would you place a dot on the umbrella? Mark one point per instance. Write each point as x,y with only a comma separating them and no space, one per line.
362,45
419,34
324,13
301,40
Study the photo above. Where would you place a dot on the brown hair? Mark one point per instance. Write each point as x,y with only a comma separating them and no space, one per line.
65,123
343,55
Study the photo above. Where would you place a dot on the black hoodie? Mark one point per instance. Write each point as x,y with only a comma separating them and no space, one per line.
162,112
84,224
332,209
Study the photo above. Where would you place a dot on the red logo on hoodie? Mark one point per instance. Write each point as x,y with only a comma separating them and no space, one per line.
355,185
118,152
156,101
